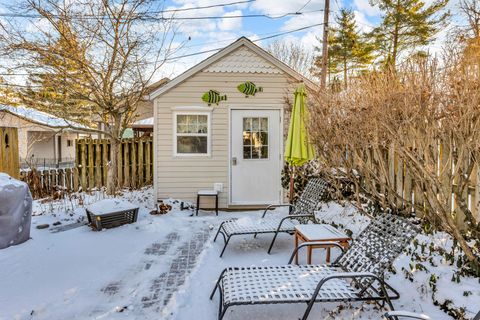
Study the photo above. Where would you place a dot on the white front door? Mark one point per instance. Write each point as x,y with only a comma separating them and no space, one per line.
255,158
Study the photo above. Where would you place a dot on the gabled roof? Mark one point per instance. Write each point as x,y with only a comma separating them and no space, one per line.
39,117
224,52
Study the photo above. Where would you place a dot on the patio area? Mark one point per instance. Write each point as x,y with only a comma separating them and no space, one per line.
164,267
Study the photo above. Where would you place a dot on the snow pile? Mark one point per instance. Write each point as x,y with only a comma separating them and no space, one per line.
15,211
107,206
132,268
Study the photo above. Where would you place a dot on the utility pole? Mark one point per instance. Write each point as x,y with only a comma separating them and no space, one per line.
323,79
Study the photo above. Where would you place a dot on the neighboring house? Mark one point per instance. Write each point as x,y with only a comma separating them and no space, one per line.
43,139
236,145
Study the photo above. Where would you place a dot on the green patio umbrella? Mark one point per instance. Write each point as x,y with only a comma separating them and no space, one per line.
298,149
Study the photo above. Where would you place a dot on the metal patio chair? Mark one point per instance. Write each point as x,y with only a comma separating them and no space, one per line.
356,275
302,211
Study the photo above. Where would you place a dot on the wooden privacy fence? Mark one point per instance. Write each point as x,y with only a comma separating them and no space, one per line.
135,162
9,161
405,186
135,168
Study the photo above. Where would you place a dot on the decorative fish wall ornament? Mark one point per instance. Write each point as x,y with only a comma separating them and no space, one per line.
213,96
249,88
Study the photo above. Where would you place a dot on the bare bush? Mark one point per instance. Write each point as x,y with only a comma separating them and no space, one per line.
409,140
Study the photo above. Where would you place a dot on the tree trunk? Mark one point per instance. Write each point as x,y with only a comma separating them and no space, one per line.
112,177
345,72
393,59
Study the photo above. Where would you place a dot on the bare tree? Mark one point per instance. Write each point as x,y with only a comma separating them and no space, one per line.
471,10
109,52
294,54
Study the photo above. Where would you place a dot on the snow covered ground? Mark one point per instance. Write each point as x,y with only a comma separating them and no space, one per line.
164,267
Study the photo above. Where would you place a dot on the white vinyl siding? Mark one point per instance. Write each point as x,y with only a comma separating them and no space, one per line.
181,177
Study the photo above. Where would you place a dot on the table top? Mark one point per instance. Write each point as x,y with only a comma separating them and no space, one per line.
320,232
207,192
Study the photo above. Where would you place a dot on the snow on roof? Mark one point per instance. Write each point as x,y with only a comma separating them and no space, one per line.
148,122
39,116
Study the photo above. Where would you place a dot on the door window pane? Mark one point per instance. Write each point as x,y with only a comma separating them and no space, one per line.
255,138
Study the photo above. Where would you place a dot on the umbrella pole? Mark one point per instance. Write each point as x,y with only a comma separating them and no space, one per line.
292,175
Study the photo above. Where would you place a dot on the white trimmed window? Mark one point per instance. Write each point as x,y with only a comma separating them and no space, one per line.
192,133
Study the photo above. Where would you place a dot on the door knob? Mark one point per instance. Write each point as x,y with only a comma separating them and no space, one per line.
234,161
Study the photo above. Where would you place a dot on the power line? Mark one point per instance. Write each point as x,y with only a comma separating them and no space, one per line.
196,53
256,40
153,18
19,15
306,4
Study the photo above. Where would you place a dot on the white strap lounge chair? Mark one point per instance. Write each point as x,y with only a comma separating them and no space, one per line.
356,275
397,315
301,212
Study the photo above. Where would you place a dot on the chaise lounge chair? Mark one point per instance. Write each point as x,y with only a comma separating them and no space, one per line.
356,275
396,315
302,211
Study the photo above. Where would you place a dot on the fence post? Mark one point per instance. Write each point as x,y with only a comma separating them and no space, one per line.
134,164
83,162
147,162
98,164
91,165
105,161
140,163
126,163
61,179
68,179
75,179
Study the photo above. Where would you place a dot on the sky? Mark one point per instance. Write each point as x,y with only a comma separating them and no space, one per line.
203,35
206,35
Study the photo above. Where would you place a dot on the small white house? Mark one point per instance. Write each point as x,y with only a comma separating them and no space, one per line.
42,137
235,146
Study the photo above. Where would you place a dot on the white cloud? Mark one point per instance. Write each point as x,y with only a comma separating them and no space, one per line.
362,22
365,7
231,24
275,7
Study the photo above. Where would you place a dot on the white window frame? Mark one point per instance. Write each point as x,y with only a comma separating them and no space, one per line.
192,111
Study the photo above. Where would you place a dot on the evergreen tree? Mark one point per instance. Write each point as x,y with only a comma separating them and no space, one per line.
50,89
405,25
348,49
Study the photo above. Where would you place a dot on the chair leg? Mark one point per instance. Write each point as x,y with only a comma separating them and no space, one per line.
198,204
219,228
273,241
254,235
225,246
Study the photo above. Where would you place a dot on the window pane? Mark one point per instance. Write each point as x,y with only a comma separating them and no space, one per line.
264,152
202,119
192,145
182,119
264,124
181,128
264,138
192,128
247,152
247,138
255,124
255,153
247,124
202,128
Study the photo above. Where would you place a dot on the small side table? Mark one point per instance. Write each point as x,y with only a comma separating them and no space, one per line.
318,232
207,193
